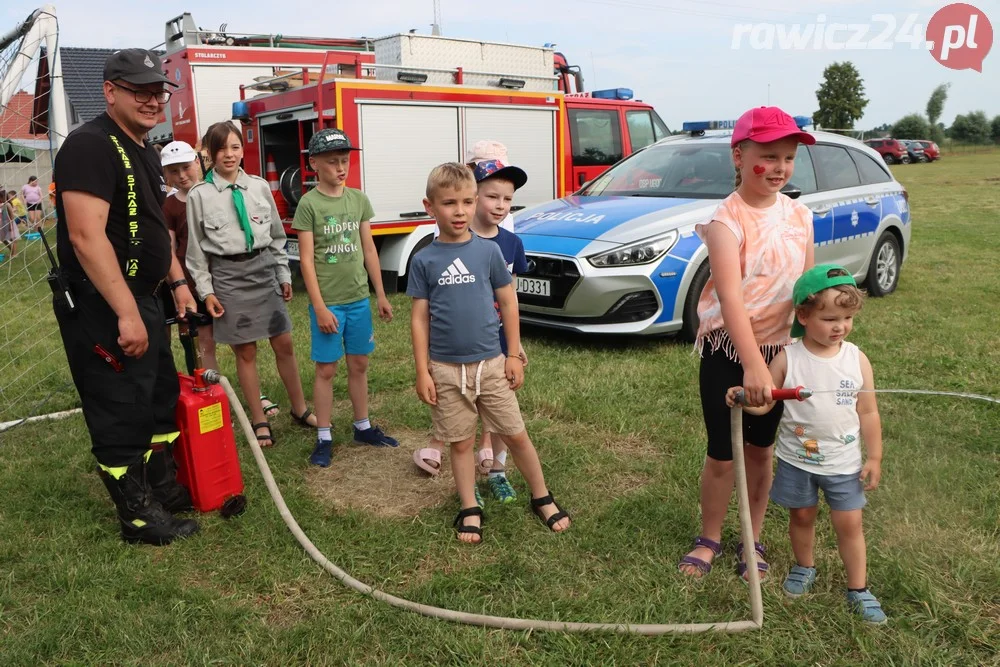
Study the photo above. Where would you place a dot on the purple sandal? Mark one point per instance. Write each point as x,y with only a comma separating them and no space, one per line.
703,566
741,567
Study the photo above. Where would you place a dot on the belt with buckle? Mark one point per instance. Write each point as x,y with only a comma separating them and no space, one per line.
139,288
244,256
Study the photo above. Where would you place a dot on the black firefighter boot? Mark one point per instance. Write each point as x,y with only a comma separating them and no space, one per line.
143,518
161,471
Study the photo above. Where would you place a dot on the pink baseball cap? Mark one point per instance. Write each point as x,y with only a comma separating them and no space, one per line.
486,150
767,124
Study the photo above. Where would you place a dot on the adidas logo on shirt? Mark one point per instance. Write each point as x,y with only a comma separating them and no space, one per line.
456,274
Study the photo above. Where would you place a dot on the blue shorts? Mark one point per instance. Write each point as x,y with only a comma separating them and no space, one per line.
796,488
355,334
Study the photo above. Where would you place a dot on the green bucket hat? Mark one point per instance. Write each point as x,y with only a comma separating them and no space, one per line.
814,281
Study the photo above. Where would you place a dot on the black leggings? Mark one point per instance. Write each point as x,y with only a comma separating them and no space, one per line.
718,373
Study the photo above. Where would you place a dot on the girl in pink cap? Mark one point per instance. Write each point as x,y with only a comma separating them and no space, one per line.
759,242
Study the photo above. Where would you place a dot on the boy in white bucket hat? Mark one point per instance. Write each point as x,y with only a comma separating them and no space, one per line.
182,171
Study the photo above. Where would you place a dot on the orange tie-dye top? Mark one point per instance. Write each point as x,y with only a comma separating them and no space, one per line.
773,244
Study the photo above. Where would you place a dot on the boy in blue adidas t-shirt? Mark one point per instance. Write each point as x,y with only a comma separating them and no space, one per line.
496,183
462,373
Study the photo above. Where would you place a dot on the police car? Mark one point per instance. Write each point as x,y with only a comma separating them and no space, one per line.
621,255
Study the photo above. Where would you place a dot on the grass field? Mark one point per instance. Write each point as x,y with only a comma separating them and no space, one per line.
619,430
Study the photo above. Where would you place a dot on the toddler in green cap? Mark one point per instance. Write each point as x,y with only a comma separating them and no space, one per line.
818,441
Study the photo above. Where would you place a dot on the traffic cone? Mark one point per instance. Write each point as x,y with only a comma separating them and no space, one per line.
271,173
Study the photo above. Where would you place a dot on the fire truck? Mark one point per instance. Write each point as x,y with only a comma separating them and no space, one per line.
410,102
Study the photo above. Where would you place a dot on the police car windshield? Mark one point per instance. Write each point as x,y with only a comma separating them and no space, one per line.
689,170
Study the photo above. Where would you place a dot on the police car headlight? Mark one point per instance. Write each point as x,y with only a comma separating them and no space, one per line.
643,252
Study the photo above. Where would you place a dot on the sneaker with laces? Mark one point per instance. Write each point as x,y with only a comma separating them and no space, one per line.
375,437
322,454
502,489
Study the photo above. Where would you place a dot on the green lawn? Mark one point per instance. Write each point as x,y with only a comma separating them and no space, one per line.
618,427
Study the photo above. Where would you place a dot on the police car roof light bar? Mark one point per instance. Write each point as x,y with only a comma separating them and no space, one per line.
700,126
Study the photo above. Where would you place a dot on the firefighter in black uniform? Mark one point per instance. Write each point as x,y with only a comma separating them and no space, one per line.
115,253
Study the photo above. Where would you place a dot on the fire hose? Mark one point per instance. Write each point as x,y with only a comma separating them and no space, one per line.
756,602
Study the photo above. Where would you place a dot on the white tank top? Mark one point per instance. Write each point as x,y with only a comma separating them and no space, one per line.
821,434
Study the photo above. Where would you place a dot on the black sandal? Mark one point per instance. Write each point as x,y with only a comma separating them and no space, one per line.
538,503
475,530
303,419
269,436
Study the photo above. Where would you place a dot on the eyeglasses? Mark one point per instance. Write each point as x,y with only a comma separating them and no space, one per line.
144,96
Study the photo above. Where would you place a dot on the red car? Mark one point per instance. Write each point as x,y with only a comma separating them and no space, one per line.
892,150
931,149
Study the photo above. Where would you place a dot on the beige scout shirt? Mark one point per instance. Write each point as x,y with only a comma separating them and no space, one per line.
214,228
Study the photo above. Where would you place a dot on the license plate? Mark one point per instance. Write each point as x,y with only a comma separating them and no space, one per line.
292,248
534,286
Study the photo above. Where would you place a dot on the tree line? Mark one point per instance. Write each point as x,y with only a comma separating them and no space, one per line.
842,101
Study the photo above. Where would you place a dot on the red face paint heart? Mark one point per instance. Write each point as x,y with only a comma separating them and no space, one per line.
757,169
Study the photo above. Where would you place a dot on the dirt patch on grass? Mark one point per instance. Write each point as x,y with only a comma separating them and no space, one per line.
382,481
622,445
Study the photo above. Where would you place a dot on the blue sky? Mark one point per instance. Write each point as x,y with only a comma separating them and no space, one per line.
676,54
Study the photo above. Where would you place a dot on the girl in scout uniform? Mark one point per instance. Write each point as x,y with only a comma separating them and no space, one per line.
237,259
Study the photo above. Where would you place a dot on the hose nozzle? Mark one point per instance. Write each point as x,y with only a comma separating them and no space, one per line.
797,393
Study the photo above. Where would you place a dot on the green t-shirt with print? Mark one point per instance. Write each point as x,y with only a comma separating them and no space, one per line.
335,223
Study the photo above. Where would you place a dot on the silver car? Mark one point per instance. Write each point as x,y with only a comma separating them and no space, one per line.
621,257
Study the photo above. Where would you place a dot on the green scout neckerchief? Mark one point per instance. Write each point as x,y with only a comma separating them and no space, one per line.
241,208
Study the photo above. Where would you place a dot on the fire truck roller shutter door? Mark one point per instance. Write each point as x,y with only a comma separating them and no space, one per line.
217,87
530,138
402,143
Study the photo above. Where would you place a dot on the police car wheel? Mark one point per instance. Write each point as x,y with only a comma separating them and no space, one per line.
883,272
689,328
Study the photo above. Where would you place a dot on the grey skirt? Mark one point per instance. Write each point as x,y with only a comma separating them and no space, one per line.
251,296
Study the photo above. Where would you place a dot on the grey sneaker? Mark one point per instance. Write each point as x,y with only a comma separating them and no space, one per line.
799,581
867,607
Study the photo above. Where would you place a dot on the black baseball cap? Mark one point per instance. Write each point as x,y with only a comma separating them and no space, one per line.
329,140
136,66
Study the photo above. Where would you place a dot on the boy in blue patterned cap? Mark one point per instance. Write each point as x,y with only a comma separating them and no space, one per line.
337,258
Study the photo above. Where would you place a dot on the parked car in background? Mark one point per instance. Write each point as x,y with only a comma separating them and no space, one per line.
892,150
621,256
931,149
915,150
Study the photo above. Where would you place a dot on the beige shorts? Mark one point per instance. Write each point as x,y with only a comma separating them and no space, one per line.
466,392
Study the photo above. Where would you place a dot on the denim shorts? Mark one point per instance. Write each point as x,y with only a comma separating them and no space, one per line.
796,488
355,334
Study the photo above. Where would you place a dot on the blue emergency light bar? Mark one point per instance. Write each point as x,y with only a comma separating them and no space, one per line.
703,125
613,94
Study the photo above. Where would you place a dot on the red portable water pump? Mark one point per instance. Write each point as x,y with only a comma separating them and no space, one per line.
207,461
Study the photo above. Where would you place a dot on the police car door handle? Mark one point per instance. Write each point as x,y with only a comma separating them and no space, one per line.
872,201
822,210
